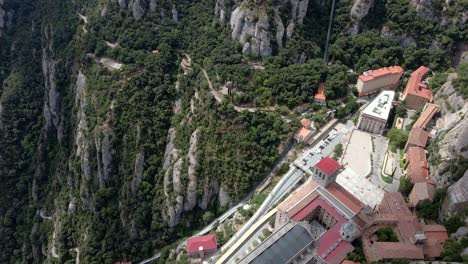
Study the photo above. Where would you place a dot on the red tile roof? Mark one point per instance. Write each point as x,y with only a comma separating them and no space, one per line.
396,250
331,247
303,194
418,137
327,241
433,248
306,122
406,225
422,191
320,95
371,74
415,87
345,197
303,133
429,111
328,165
196,244
349,262
418,168
339,252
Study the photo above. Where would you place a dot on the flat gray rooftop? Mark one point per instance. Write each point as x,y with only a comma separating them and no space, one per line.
281,246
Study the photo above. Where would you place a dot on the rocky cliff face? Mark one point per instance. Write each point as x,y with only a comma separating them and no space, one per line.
141,7
359,10
253,23
6,16
2,17
452,143
457,197
424,8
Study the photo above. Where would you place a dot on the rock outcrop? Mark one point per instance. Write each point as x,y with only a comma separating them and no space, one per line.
359,10
138,9
452,146
191,196
52,102
2,17
457,197
251,23
404,40
424,8
252,28
453,111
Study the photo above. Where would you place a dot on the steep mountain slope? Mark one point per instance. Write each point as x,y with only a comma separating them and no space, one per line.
103,152
111,150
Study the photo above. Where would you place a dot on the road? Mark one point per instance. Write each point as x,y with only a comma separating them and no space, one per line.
287,182
234,208
219,98
282,188
306,160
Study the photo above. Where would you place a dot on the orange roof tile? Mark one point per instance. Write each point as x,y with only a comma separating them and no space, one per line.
418,169
306,122
433,248
418,137
349,262
415,87
328,165
372,74
320,95
423,191
392,250
345,197
429,111
303,132
295,197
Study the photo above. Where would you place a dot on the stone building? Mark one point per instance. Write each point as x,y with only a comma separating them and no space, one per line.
325,171
421,192
416,240
373,81
201,248
374,117
416,95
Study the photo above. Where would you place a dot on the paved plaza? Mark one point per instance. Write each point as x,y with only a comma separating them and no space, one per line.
358,151
367,192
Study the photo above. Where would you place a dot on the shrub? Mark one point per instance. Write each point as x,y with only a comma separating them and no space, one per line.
386,234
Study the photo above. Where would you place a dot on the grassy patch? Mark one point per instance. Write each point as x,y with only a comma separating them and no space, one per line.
386,179
402,159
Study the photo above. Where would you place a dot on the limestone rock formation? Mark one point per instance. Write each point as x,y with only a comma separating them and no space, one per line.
403,39
453,110
52,102
175,14
457,197
251,23
139,9
2,17
252,27
359,10
424,9
191,197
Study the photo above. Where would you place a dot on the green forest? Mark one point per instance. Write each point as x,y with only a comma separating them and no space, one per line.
80,167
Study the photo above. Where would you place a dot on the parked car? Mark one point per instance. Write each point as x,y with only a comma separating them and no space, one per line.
311,154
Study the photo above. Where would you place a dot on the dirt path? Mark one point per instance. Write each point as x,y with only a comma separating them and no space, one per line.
219,98
43,216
